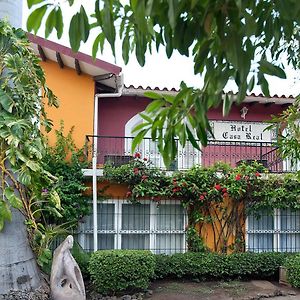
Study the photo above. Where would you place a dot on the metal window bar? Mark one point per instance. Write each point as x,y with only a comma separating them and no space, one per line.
149,225
117,151
278,232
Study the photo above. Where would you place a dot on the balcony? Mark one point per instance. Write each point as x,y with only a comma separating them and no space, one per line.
117,151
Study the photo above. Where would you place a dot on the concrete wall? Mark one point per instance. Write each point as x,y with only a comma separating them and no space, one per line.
76,98
12,9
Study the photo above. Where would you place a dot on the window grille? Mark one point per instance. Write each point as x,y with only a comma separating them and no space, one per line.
159,227
277,232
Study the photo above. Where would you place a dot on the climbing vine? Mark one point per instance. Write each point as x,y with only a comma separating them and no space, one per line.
217,198
22,146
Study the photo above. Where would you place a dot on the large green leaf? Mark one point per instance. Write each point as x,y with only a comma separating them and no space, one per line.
30,3
73,32
270,69
99,41
84,26
6,101
50,23
35,18
12,198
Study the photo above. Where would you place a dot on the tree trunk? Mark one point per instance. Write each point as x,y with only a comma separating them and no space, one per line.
18,268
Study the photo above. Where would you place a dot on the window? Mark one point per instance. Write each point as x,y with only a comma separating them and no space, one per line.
186,158
147,225
277,232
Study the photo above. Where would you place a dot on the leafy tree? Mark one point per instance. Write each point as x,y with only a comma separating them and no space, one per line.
22,175
240,40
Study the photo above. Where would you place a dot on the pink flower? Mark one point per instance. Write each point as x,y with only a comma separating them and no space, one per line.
224,190
128,194
201,197
136,171
225,195
137,155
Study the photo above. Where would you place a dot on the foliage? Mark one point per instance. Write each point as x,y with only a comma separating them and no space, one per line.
235,40
22,110
66,162
293,270
82,258
113,271
218,197
289,135
213,266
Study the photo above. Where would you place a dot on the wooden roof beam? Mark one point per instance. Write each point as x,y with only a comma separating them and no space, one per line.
77,67
252,103
42,53
268,104
59,60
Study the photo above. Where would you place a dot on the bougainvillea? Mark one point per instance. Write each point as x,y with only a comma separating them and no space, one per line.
219,196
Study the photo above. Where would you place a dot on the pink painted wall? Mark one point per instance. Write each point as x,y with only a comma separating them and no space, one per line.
115,112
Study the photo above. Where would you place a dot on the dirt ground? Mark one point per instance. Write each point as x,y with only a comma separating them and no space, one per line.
232,290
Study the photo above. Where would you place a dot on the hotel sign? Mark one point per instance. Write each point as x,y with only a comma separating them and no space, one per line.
242,131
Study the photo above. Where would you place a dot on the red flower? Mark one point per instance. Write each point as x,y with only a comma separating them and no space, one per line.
201,197
238,177
218,187
145,158
136,171
128,194
176,189
144,177
137,155
224,190
225,195
257,174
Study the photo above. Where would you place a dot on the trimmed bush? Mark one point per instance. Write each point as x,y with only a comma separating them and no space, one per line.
293,270
218,266
82,258
114,271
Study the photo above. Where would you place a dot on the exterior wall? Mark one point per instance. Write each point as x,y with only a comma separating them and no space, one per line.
12,9
115,112
76,98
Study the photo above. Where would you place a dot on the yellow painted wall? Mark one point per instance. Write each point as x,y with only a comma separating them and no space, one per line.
76,98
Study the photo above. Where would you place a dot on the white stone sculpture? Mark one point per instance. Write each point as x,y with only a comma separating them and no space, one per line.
66,281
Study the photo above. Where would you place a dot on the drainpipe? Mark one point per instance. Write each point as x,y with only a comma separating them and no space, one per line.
120,85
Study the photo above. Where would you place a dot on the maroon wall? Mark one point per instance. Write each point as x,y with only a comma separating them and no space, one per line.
115,112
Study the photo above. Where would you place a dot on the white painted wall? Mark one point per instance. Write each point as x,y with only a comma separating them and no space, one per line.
12,9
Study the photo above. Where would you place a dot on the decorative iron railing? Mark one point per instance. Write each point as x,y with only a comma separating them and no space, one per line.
117,151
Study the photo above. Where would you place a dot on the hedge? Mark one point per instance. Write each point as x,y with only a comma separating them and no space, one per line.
293,270
219,266
114,271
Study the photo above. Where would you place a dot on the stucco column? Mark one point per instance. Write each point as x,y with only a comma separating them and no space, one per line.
12,9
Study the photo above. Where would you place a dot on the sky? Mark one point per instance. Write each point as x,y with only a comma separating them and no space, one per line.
159,71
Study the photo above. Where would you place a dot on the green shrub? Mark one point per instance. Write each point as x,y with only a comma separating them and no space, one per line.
219,266
293,270
114,271
82,258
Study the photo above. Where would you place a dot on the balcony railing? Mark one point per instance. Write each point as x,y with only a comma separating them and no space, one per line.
117,151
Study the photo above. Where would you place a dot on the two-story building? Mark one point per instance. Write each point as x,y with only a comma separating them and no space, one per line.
104,112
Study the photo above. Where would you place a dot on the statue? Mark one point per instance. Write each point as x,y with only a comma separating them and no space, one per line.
66,281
